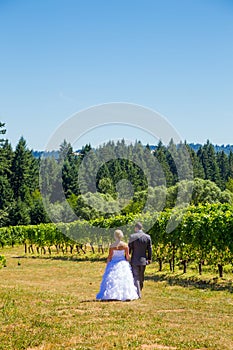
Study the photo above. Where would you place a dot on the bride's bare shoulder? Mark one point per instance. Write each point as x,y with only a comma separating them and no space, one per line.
113,245
120,245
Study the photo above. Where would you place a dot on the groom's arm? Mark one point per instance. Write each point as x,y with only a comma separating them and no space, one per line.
130,245
149,250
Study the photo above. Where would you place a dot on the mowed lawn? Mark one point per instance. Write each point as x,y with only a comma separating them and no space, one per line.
50,304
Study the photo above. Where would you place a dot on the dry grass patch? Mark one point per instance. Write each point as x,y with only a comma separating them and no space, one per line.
48,304
158,346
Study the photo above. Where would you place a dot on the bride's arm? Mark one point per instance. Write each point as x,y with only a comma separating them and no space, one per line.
110,254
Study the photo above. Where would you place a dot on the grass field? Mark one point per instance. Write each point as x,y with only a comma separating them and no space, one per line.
50,304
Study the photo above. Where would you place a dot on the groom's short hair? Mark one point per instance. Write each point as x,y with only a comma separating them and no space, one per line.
138,225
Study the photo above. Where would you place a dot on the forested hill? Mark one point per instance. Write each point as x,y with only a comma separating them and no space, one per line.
101,188
195,146
225,148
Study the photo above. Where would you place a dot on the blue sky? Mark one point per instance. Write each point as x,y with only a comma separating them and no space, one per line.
62,56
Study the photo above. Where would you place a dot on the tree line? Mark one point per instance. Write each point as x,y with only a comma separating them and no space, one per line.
202,236
114,179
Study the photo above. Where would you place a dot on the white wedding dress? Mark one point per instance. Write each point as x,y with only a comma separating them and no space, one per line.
117,282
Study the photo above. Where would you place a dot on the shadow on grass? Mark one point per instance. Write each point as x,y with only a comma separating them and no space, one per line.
215,284
105,301
62,258
89,301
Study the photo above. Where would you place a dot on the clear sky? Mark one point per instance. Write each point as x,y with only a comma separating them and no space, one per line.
62,56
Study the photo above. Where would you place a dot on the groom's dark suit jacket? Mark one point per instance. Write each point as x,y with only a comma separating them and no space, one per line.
140,248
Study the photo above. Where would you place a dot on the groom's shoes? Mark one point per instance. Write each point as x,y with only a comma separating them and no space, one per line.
139,290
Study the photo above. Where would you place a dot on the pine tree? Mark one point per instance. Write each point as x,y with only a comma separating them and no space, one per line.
2,132
50,178
172,160
24,170
208,159
70,163
161,155
20,213
6,193
65,151
224,169
37,211
230,161
198,171
85,150
2,152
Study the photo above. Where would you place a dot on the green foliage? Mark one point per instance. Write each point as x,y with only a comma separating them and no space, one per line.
202,233
2,261
114,179
206,191
2,132
20,213
38,214
25,170
106,186
229,184
208,160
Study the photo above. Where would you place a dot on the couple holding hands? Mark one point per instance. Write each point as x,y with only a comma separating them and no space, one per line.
123,280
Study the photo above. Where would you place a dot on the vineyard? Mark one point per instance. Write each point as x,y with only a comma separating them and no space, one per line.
203,235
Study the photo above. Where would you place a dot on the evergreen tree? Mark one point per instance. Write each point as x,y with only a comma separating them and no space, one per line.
6,193
70,166
153,171
184,163
19,213
3,158
230,160
24,170
6,158
198,171
2,132
85,150
161,154
88,171
224,169
50,178
208,159
37,210
172,159
65,151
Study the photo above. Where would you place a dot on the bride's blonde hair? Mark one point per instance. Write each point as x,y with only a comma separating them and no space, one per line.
118,234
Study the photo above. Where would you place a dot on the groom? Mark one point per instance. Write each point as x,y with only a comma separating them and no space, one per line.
140,248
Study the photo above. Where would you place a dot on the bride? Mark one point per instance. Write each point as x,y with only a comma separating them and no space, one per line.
117,282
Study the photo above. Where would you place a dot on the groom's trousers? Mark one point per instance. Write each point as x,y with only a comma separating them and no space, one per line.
138,275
